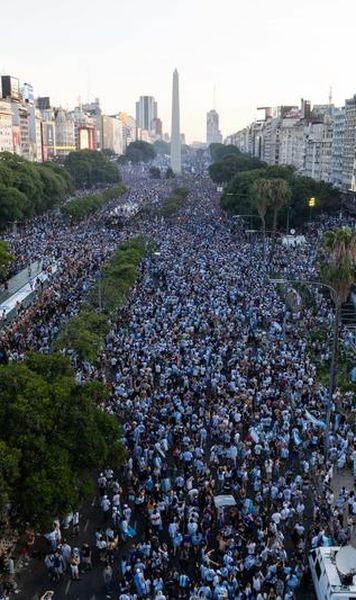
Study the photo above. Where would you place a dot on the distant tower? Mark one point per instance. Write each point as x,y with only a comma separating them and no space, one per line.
176,149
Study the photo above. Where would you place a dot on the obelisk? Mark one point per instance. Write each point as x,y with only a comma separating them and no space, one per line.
176,149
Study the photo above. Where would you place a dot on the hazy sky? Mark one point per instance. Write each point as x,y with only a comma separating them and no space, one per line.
256,53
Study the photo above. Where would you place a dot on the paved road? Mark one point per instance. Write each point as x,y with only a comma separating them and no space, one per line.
19,280
33,580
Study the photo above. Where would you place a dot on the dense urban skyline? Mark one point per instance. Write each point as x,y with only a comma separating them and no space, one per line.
116,57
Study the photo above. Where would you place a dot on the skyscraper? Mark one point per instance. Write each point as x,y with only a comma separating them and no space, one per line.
213,134
146,112
176,148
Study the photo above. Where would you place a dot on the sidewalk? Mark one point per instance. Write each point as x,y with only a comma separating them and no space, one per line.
16,282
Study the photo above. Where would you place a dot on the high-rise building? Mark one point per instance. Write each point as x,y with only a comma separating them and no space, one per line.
337,148
157,127
213,134
6,141
43,102
93,109
35,133
10,87
64,133
146,112
349,158
84,129
112,134
176,145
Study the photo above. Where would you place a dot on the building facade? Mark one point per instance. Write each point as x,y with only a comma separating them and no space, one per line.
6,141
64,133
146,112
213,133
319,142
112,134
349,155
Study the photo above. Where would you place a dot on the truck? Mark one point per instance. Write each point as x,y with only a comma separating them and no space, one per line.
333,571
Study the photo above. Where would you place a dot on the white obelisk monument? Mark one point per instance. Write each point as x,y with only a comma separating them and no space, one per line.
176,149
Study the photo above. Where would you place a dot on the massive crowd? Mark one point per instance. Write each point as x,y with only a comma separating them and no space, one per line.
225,487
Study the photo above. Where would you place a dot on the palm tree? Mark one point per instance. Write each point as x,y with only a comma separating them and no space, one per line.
279,195
260,195
338,270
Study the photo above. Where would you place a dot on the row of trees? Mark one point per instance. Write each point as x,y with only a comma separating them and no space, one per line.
80,208
53,434
172,204
239,195
85,333
28,189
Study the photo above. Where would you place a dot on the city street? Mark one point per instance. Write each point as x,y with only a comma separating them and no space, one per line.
204,416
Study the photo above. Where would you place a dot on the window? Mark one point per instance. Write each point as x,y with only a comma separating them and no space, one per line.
317,569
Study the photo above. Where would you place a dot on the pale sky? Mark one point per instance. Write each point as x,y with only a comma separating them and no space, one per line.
256,53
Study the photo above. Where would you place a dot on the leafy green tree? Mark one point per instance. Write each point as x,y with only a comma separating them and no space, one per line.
279,195
236,197
84,334
90,167
52,437
13,205
219,151
224,170
162,147
27,188
260,195
54,187
338,269
140,151
5,258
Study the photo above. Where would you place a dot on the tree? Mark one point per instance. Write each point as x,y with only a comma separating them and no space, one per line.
279,195
52,436
27,188
338,269
140,151
90,167
236,197
13,205
225,169
5,258
219,151
260,193
162,147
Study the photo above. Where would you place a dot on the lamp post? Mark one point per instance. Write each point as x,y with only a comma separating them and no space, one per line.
311,204
334,357
288,217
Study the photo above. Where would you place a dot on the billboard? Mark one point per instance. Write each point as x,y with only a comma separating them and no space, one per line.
86,138
28,93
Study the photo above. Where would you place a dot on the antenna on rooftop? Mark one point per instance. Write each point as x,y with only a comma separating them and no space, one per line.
330,95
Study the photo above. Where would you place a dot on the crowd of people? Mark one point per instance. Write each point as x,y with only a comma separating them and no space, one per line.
226,486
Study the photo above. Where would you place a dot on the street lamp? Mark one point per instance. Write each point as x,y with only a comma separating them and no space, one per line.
311,204
334,358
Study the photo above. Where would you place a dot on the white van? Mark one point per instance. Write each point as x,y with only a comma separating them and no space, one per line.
333,570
